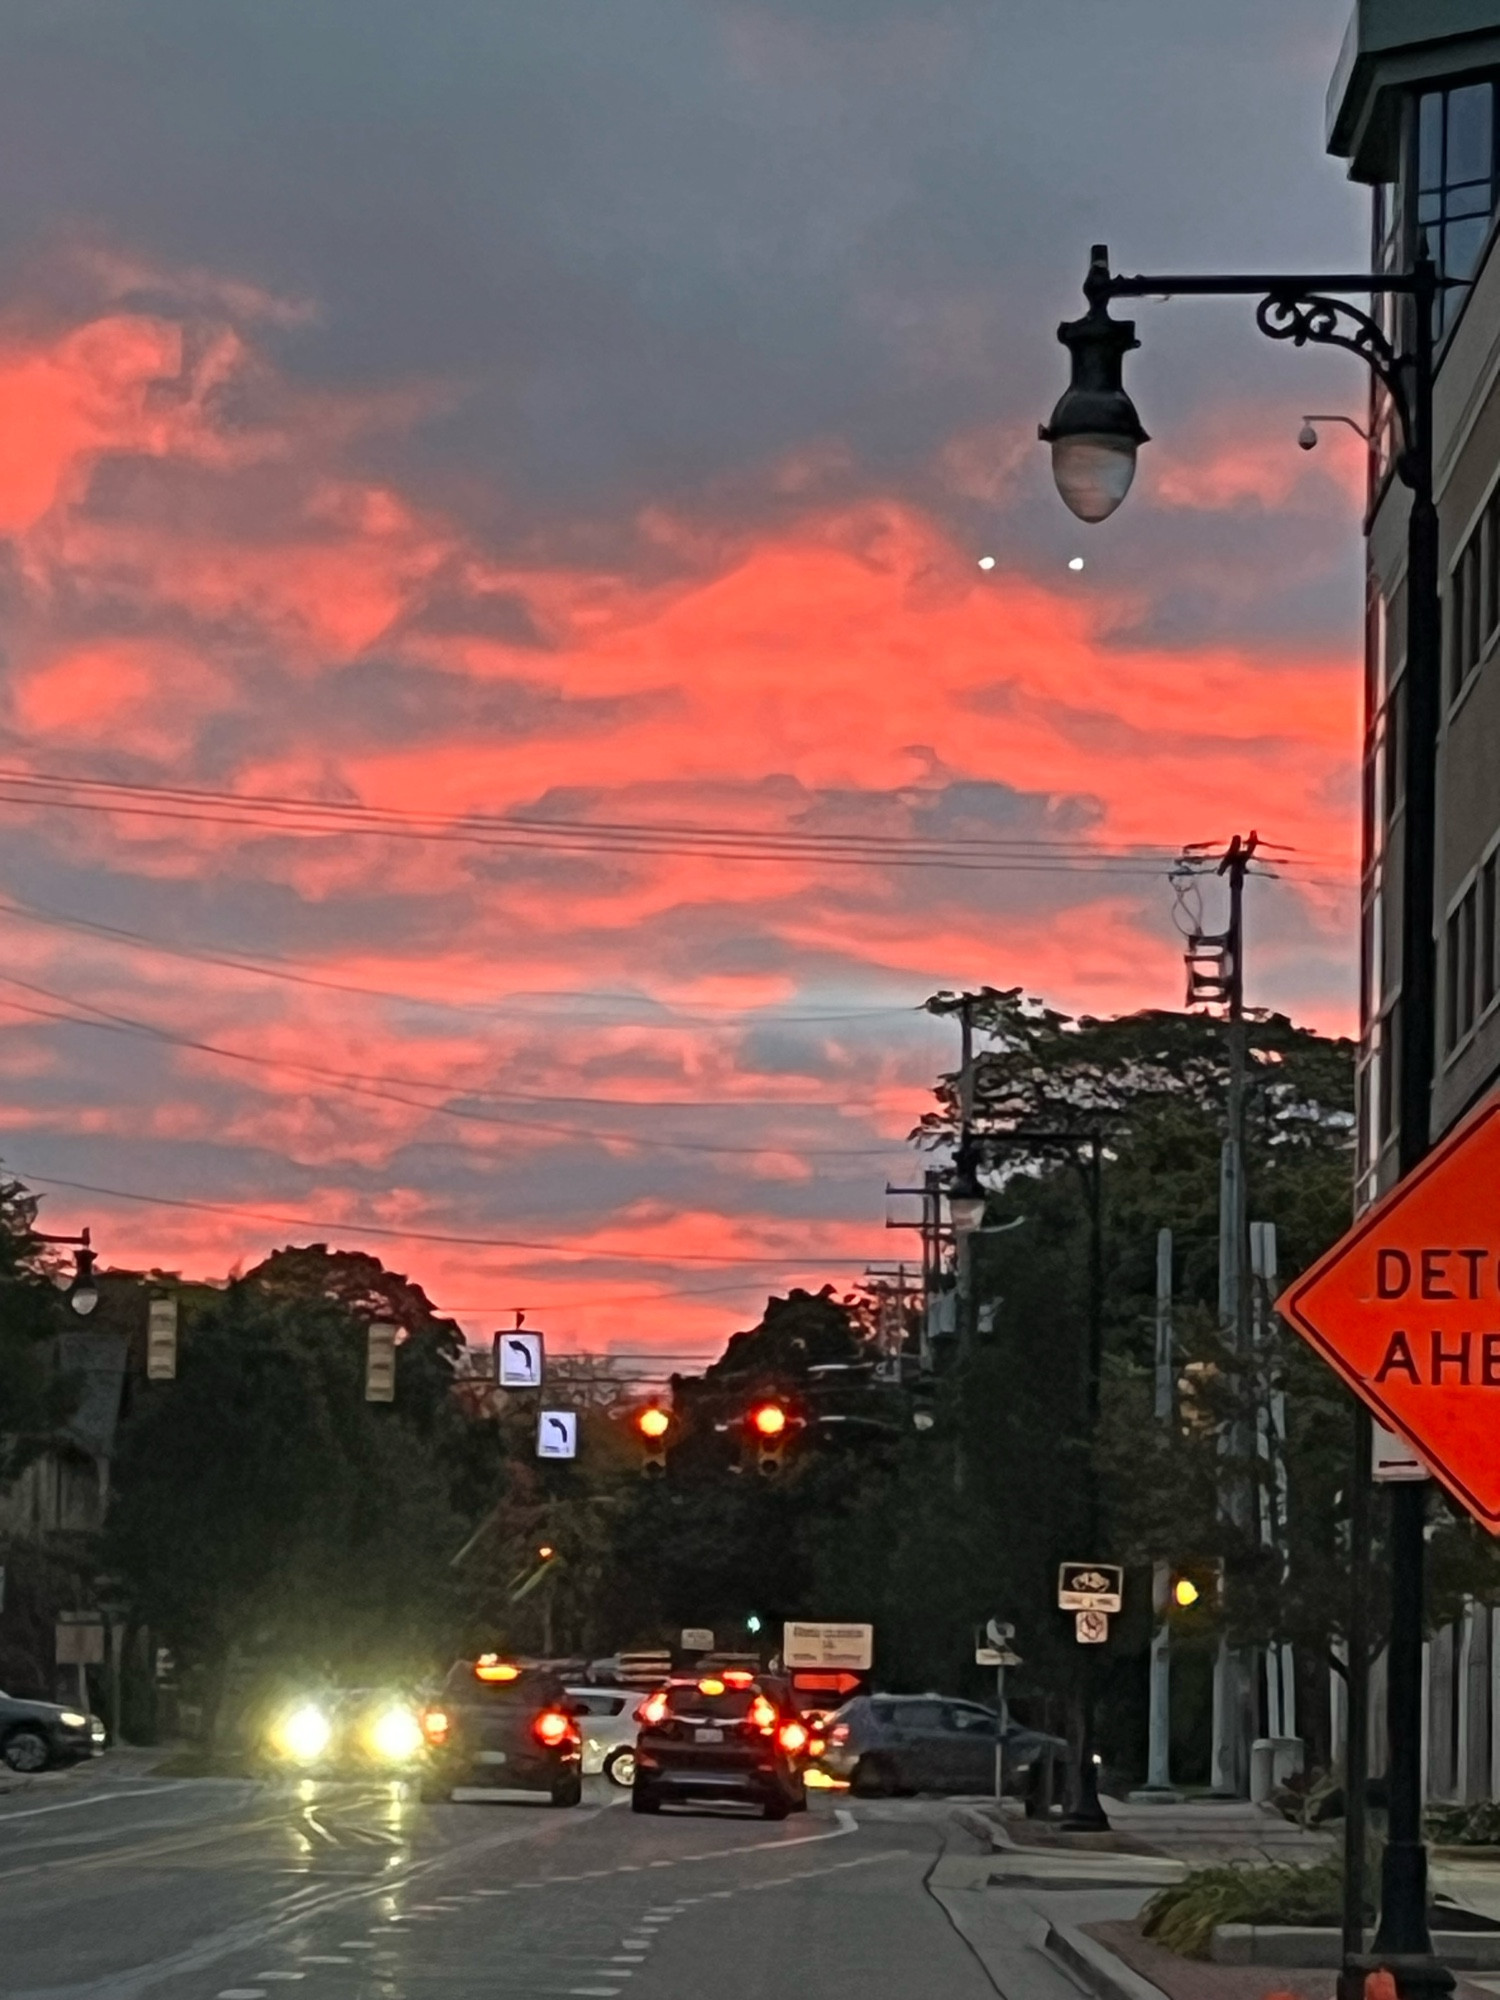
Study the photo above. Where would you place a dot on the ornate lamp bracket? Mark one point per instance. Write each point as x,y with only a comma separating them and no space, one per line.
1313,319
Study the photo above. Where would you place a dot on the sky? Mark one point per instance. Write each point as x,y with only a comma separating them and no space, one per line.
495,668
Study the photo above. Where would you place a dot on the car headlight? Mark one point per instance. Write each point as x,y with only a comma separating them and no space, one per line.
71,1719
396,1735
303,1734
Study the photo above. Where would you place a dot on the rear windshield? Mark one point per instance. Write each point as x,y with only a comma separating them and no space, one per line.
527,1690
730,1706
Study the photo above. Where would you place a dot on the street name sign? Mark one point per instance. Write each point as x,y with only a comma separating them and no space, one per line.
697,1639
557,1434
519,1360
1090,1587
824,1645
1406,1308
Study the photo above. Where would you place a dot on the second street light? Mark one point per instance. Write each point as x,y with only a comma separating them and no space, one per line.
1095,435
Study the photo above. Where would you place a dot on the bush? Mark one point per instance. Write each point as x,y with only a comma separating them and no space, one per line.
1467,1826
1184,1917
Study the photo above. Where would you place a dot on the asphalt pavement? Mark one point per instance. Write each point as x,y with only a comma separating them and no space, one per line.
222,1889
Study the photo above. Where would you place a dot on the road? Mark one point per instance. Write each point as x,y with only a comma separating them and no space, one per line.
206,1889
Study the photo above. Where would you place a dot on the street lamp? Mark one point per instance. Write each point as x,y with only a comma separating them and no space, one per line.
1094,431
82,1290
1307,311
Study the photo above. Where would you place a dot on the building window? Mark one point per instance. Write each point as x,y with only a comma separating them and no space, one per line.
1489,936
1455,181
1385,1058
1461,983
1474,597
1395,750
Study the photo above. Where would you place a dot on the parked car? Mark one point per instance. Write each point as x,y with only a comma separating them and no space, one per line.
718,1737
606,1719
501,1727
35,1735
886,1743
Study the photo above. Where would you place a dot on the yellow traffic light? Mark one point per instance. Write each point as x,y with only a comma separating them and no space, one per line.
1185,1592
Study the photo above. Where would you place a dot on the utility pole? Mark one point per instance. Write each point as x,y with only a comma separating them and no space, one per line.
1216,977
1159,1728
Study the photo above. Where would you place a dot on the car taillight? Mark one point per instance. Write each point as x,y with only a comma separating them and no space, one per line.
762,1714
435,1725
816,1746
839,1733
552,1727
792,1737
653,1709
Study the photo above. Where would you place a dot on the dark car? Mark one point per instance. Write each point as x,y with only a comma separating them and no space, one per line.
887,1743
500,1727
718,1738
35,1735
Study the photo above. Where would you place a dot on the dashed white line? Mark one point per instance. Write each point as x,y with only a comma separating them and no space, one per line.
280,1975
242,1993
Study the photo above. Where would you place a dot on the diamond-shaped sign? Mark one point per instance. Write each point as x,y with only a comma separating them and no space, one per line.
1406,1306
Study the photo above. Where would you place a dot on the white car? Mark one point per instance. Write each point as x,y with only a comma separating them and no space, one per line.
606,1718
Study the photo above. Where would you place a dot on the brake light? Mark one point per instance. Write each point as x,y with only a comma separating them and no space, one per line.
738,1677
792,1737
653,1709
763,1714
435,1725
553,1727
711,1685
816,1746
490,1668
839,1733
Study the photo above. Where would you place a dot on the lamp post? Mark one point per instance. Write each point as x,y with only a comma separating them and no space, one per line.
1095,434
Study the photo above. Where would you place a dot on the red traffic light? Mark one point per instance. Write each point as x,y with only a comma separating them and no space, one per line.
769,1419
653,1423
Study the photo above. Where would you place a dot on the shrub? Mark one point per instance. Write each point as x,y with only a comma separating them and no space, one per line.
1184,1917
1467,1826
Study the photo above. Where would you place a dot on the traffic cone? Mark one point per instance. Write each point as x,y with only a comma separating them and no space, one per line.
1380,1985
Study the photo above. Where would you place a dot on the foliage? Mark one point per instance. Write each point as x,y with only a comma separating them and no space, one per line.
1475,1825
1184,1917
264,1512
34,1398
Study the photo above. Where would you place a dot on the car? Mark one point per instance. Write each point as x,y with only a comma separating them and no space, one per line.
500,1727
350,1732
39,1735
885,1743
606,1718
720,1738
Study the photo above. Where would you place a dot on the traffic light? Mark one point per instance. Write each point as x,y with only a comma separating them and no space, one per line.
768,1435
161,1340
1190,1592
380,1362
652,1425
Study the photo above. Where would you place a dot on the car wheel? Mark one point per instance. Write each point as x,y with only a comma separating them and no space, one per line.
619,1767
644,1800
873,1778
567,1790
27,1750
775,1809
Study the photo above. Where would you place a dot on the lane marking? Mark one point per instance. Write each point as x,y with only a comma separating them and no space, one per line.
242,1993
355,1944
326,1958
280,1975
99,1798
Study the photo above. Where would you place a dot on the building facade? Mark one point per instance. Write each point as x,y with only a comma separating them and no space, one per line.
1414,109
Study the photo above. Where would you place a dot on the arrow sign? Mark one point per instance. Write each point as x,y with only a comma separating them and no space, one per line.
518,1360
557,1434
1406,1307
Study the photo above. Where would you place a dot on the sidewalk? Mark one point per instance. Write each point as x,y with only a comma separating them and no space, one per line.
1083,1901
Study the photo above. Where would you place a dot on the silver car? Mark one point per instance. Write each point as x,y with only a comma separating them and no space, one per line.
606,1718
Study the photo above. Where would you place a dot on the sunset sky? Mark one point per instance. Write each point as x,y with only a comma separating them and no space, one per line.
594,412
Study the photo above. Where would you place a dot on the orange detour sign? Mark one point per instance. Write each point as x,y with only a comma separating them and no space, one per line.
1406,1307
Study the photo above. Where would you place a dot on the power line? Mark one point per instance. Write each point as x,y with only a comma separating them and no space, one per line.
598,1253
284,970
353,1086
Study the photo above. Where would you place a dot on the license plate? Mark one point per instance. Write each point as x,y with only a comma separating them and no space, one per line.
708,1736
491,1757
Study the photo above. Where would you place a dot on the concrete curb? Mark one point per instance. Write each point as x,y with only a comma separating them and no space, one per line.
1309,1946
1095,1967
